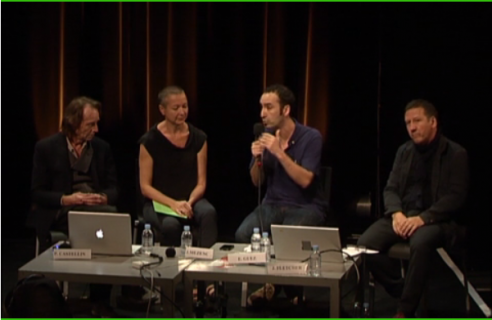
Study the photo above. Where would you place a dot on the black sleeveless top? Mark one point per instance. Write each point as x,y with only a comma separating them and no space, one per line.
175,170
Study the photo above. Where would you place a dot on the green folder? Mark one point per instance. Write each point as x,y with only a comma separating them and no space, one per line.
163,209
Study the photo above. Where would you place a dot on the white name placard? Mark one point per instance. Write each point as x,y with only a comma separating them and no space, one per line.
246,257
287,268
199,253
72,254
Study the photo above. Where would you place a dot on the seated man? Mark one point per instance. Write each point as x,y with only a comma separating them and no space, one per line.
73,170
173,172
290,154
427,186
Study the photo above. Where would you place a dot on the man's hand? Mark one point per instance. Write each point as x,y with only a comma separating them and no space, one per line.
183,208
73,199
95,199
257,149
271,142
411,225
104,199
88,199
398,221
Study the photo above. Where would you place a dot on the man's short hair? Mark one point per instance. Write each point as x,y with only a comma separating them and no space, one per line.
167,91
74,114
429,109
285,96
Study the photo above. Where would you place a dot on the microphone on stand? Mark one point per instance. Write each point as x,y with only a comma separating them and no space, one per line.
258,130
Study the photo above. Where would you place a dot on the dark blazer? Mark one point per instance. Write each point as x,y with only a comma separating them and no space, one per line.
449,181
52,178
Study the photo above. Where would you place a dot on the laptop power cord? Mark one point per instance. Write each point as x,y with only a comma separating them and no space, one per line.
147,266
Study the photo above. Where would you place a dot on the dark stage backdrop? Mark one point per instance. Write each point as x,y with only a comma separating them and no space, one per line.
353,67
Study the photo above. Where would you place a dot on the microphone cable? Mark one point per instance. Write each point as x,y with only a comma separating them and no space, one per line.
260,170
258,130
147,267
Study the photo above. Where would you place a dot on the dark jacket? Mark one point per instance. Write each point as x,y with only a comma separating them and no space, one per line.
449,181
52,178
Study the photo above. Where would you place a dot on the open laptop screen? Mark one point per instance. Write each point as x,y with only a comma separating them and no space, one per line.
103,233
294,242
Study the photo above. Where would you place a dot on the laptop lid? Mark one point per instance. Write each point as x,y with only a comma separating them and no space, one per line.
294,242
102,232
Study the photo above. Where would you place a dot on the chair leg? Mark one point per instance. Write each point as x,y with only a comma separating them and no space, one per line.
244,294
467,294
63,285
37,247
151,295
402,268
65,289
135,231
471,292
372,294
222,297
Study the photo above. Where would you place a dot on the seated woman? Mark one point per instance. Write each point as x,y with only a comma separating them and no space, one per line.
173,171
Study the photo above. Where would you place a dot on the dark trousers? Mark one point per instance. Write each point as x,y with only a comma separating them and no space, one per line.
170,228
99,293
423,244
270,214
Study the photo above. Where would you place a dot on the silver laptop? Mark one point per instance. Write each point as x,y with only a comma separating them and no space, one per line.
103,233
295,242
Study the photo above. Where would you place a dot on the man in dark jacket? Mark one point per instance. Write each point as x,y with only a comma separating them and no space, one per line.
427,187
73,170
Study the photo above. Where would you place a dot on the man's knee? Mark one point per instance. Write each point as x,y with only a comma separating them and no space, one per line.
245,230
44,244
242,236
364,239
422,245
104,208
98,208
379,235
426,240
112,209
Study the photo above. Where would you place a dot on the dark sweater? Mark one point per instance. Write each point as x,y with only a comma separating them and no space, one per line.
417,195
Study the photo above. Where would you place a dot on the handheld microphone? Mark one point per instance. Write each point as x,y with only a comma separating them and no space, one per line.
258,129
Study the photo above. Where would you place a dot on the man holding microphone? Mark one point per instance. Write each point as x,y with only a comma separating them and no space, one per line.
287,158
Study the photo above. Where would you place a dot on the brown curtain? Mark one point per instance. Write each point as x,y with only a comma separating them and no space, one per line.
124,53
